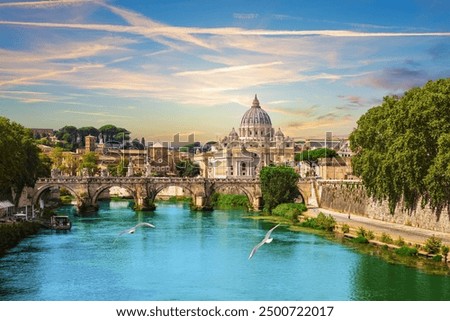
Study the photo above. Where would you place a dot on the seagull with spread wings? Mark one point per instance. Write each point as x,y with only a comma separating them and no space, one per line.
133,229
266,239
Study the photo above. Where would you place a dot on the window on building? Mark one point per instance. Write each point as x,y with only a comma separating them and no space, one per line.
243,168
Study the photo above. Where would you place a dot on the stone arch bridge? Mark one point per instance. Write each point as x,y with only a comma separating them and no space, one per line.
145,189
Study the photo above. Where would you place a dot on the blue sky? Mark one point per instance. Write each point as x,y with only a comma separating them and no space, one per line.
161,67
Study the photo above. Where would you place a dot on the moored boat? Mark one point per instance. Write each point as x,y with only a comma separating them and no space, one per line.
60,222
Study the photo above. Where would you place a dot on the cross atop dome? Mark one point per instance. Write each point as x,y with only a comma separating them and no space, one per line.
256,102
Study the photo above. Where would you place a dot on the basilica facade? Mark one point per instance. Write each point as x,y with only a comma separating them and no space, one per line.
245,151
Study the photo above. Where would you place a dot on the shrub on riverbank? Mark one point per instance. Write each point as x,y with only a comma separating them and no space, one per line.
406,251
433,245
400,241
290,211
444,251
360,239
437,258
386,238
321,222
12,234
345,228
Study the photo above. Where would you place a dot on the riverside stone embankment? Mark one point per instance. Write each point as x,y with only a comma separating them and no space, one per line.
410,234
350,197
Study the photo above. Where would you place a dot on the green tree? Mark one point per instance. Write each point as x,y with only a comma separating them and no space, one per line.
89,161
278,185
85,131
315,154
122,134
68,134
186,168
108,132
437,179
136,144
56,155
122,167
70,165
20,163
399,152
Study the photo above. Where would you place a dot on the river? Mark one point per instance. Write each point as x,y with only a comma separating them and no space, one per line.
198,256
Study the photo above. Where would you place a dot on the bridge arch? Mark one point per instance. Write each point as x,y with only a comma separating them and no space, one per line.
251,189
42,189
240,189
160,187
102,188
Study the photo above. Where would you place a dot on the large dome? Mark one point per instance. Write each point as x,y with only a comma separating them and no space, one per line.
255,124
255,116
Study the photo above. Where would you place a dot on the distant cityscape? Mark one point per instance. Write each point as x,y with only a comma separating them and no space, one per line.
240,154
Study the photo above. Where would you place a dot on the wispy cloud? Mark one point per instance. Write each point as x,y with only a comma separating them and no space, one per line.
147,27
245,16
46,4
400,78
146,62
299,111
329,121
243,68
26,97
96,114
352,102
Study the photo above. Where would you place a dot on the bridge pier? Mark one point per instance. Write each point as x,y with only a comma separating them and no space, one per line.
257,203
145,204
200,203
86,206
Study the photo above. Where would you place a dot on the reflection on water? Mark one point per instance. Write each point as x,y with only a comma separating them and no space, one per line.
376,282
198,256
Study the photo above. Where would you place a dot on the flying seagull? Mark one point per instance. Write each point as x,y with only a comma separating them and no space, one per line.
266,239
133,229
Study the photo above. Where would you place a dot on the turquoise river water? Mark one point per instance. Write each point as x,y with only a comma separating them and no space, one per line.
198,256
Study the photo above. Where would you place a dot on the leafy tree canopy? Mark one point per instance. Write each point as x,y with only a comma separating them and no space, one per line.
21,163
402,147
85,131
278,185
315,154
73,137
186,168
89,162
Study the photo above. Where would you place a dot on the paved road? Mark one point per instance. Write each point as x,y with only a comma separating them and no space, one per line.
408,233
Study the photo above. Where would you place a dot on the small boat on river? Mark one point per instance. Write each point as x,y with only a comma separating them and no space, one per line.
60,222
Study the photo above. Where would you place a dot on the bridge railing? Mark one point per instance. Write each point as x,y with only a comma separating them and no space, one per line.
140,180
175,180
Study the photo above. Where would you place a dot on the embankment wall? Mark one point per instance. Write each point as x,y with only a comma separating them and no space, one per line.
350,197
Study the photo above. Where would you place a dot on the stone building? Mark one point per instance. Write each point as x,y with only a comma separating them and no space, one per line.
244,152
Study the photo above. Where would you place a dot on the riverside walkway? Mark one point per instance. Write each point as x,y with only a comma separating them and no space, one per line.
410,234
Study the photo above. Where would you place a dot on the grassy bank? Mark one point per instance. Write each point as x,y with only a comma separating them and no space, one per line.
12,233
429,257
176,199
229,201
